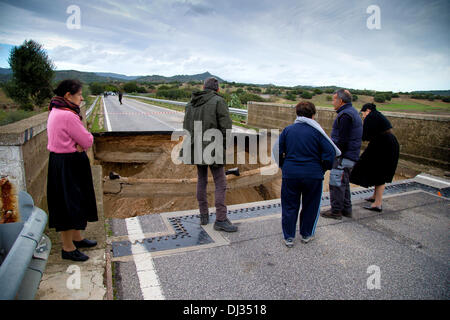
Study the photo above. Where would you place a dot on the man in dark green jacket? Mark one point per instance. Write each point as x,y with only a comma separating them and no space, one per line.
209,110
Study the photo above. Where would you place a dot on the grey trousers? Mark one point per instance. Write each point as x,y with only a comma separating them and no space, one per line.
220,183
340,197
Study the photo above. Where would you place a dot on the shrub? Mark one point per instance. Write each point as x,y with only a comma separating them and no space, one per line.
329,98
354,97
97,88
174,94
290,96
245,97
235,102
379,98
130,87
306,95
317,91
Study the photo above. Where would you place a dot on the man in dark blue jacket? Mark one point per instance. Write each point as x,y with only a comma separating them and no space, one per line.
304,156
346,134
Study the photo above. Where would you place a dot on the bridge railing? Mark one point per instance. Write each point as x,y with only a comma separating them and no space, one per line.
24,252
183,104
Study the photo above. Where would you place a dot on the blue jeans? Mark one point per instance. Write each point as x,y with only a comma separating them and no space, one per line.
340,196
293,193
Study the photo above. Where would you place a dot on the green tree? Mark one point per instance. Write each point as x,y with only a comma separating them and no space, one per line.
290,96
306,95
354,97
247,96
130,87
235,101
379,98
317,91
97,88
32,75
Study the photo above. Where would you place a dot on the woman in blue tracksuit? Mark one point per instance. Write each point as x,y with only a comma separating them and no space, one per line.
305,153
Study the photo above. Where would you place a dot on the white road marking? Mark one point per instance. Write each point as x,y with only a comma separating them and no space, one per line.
140,111
435,180
148,279
162,108
234,128
108,124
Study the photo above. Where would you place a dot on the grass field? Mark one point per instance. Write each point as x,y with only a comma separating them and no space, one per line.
402,104
10,116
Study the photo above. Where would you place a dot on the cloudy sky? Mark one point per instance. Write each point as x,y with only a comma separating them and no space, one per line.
284,42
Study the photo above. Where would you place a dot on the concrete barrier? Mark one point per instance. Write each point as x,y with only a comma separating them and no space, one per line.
423,138
24,155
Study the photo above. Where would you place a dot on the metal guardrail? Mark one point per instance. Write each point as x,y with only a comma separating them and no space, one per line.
88,112
24,251
242,112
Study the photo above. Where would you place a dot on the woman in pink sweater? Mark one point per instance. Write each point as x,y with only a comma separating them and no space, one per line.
70,190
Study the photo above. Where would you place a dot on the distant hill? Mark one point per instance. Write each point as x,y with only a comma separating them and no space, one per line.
435,92
179,78
117,75
5,74
5,71
88,77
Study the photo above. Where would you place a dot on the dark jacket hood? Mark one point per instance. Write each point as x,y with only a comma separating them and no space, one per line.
199,98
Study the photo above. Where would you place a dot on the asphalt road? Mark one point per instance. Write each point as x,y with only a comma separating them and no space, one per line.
407,243
134,115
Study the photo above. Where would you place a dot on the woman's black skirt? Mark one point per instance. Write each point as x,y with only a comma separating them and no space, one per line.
378,162
70,191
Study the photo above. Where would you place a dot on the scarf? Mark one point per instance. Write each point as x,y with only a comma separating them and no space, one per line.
61,103
316,125
312,123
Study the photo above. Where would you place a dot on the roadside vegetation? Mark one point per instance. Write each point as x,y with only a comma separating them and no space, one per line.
95,121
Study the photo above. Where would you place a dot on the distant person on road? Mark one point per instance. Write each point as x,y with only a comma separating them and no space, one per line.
120,97
305,153
346,134
379,160
70,190
210,108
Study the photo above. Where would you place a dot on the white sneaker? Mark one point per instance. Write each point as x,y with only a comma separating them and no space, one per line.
308,239
289,242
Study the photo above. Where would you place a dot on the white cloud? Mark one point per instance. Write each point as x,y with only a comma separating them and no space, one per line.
288,42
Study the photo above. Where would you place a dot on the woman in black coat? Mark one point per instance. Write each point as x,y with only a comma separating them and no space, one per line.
378,162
